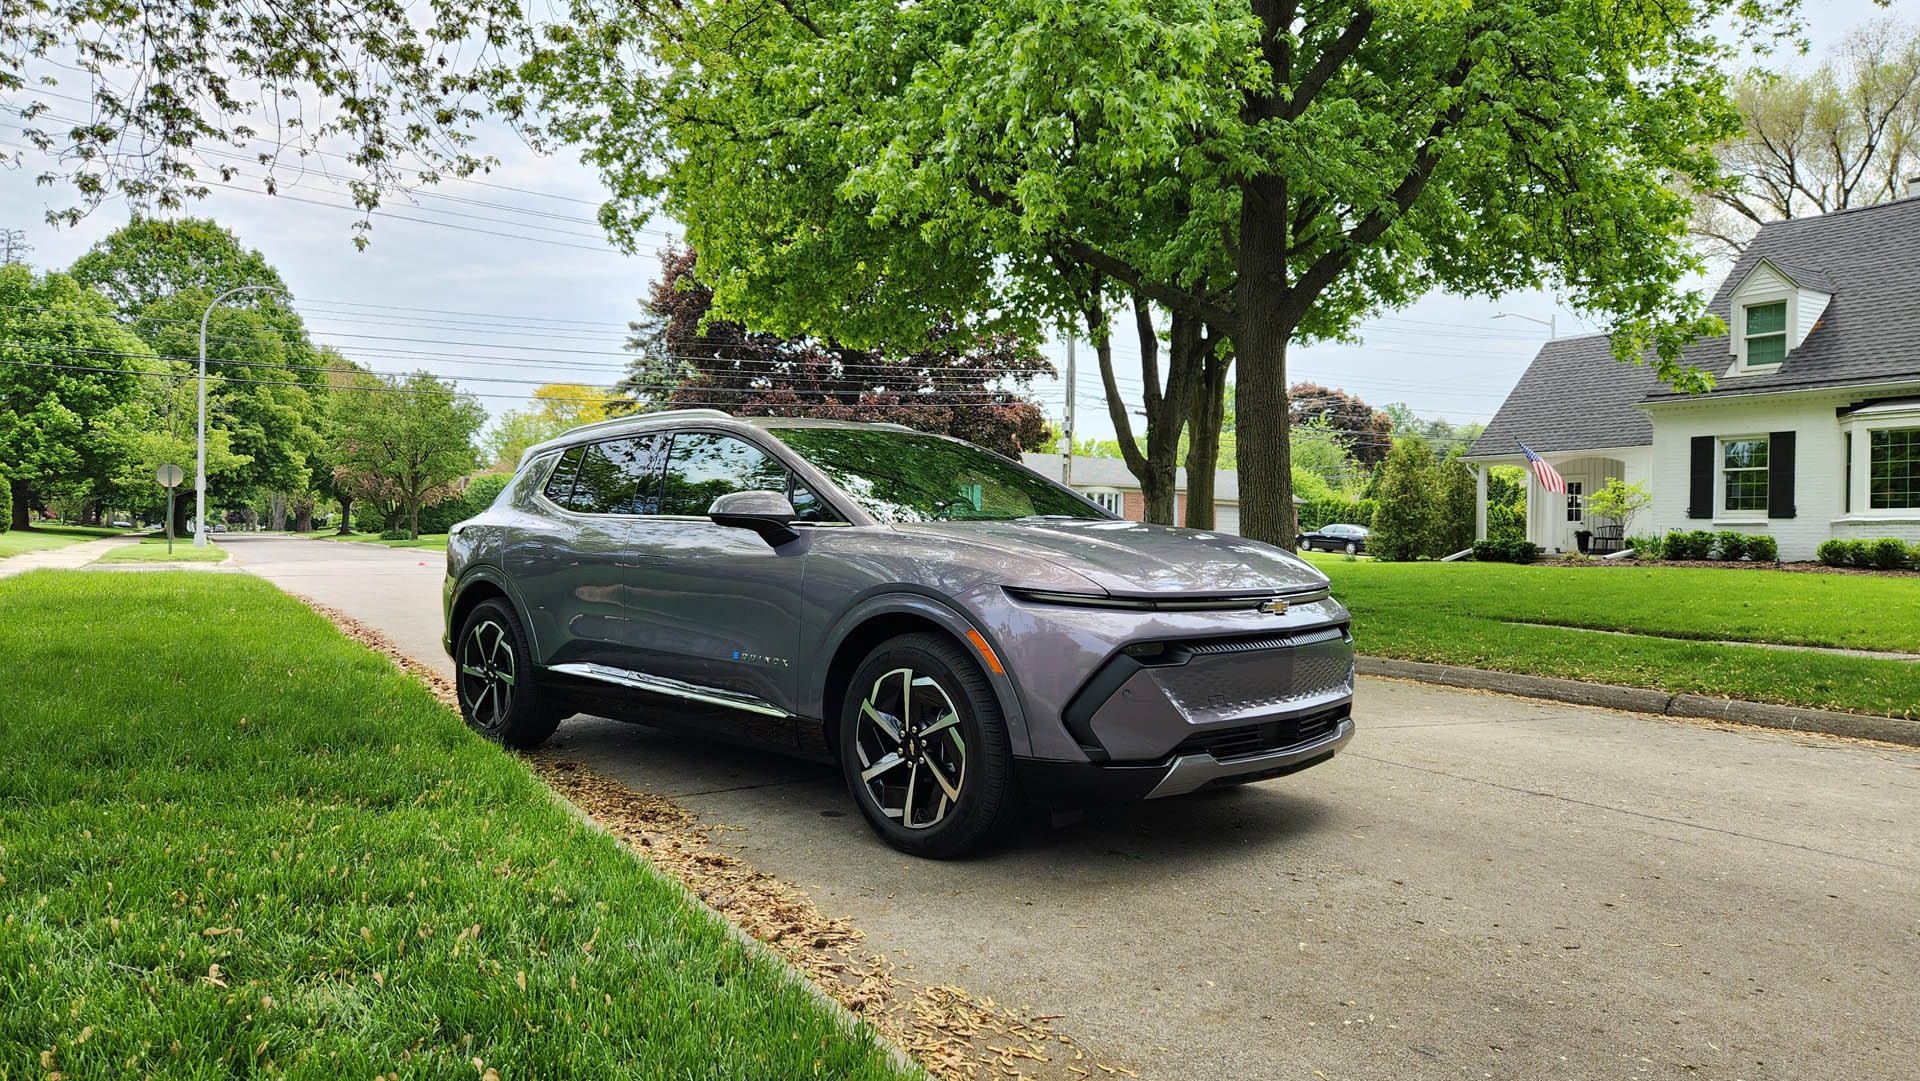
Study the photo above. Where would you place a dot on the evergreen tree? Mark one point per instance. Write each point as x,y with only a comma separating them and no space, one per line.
1406,512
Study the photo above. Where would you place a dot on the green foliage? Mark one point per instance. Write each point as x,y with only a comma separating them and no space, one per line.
6,503
1886,553
1505,551
1695,545
1454,505
54,419
1762,548
1320,512
395,534
1506,502
1406,517
1730,546
1619,501
149,260
477,496
1645,546
405,442
1832,552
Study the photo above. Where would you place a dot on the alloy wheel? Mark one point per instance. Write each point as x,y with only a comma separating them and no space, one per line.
912,751
486,674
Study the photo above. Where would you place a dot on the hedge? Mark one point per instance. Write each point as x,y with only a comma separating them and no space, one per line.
1884,553
1505,551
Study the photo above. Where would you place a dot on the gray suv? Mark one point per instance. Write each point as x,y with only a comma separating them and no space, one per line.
954,630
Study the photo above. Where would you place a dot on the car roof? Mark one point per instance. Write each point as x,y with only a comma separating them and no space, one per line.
644,422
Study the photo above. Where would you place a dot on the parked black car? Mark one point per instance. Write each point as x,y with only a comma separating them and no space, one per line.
1338,537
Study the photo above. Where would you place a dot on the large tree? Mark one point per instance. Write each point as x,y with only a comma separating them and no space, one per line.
1273,170
967,385
65,367
1366,431
177,95
414,436
1844,134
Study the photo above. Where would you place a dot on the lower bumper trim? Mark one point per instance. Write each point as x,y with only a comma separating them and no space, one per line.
1191,772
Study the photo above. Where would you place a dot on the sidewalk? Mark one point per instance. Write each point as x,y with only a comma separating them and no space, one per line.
72,557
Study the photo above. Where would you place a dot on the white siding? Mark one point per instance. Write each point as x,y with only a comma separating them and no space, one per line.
1819,469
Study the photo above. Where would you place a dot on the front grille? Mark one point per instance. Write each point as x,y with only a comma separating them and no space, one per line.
1254,643
1252,739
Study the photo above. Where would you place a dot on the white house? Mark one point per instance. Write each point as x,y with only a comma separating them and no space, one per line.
1812,430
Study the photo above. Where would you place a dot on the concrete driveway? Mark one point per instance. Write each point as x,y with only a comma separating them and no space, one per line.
1479,887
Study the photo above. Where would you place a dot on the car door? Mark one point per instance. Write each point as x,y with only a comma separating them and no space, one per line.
721,606
575,571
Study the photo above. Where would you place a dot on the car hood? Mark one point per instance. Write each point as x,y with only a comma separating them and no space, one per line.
1137,558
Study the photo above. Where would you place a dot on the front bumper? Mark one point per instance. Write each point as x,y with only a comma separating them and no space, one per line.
1069,783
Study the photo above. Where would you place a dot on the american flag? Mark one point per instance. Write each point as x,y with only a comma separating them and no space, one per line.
1549,478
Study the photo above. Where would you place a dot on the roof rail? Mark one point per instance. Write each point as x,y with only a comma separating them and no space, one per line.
626,421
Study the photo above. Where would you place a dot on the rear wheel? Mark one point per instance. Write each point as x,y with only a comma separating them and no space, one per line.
924,748
498,695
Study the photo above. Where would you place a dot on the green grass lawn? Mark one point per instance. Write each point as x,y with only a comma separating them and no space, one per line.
154,550
15,541
435,541
234,843
1462,613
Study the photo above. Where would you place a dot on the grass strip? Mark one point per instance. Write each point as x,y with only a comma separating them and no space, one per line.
233,842
1456,613
435,541
154,550
42,537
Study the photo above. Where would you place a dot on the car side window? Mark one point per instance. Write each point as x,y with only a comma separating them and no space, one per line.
808,507
619,476
560,483
704,466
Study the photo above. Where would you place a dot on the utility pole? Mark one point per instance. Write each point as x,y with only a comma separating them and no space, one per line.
1073,387
13,246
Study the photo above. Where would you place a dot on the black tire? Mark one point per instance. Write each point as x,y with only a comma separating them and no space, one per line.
932,821
1352,548
493,678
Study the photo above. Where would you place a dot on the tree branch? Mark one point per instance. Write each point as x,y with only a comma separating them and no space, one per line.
1160,293
1329,63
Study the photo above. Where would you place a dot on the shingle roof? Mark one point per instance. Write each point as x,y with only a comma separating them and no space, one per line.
1574,396
1868,258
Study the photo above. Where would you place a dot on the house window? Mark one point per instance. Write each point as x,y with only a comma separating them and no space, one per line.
1575,510
1893,469
1744,465
1109,500
1766,334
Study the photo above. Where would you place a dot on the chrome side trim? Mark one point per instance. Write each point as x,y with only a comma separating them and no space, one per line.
640,681
1192,771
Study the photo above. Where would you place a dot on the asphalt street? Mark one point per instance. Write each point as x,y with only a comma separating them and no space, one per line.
1480,886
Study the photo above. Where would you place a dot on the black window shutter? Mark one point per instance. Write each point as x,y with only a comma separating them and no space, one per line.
1780,475
1700,492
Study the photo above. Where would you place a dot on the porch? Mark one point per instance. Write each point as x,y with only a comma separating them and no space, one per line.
1554,521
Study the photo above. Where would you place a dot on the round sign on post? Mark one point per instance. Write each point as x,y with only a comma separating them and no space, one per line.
169,476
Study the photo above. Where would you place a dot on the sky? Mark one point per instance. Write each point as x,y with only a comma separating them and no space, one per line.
505,282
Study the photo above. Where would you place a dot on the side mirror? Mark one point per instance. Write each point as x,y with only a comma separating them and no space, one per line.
766,513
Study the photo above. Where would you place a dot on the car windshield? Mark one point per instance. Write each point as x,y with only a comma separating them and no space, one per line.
910,477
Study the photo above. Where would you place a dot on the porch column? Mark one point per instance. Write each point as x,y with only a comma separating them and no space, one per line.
1480,501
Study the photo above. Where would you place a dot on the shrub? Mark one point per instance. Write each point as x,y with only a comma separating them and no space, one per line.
395,534
1832,553
1505,551
1406,521
1645,546
6,503
1856,553
1886,553
1697,544
1763,548
1913,555
1730,546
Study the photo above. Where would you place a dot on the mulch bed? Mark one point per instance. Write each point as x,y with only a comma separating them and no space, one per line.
954,1035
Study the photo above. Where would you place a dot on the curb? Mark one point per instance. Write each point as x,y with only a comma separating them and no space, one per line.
1644,700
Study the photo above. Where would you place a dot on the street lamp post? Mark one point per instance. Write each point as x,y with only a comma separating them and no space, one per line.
1552,324
200,440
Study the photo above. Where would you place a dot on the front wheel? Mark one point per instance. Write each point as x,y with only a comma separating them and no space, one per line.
1352,548
924,748
498,695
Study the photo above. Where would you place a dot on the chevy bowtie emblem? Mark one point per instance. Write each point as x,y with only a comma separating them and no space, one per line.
1275,607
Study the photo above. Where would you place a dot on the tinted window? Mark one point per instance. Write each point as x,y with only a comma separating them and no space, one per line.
808,507
560,484
703,467
619,476
910,477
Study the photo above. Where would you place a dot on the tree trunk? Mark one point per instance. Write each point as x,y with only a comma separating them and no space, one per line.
1204,417
182,502
346,515
21,519
413,519
303,520
277,512
1260,342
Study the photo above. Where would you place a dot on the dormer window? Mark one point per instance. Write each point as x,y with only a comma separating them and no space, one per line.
1766,334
